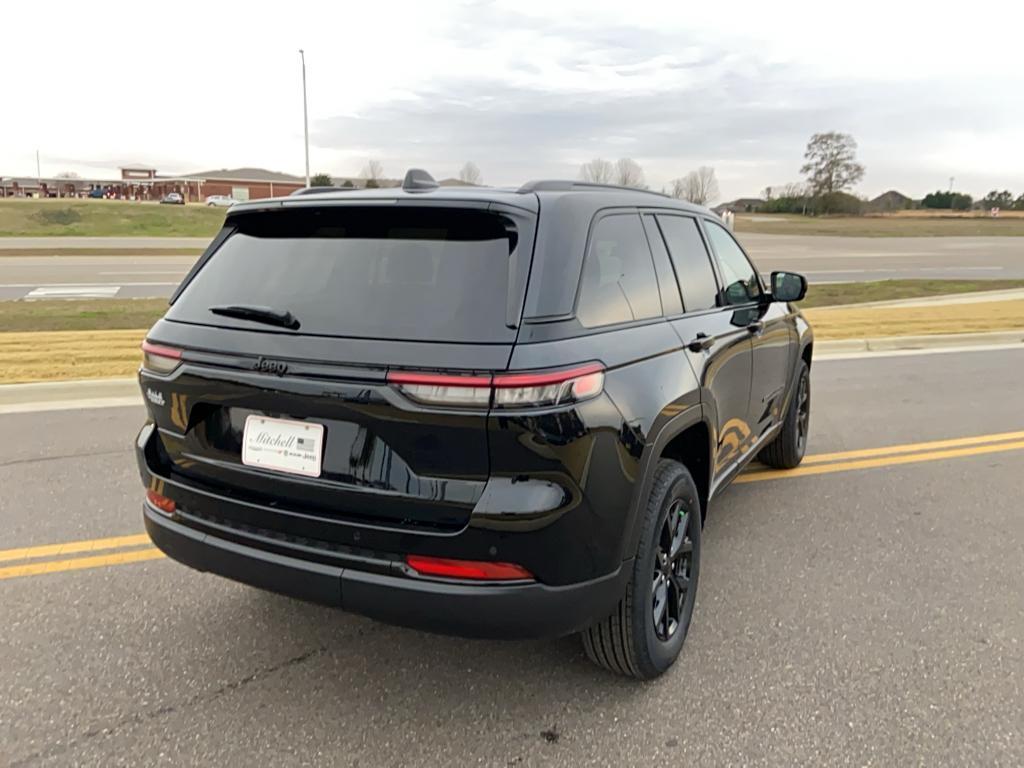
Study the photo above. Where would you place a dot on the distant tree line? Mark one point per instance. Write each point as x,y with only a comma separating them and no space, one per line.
958,201
953,201
1003,200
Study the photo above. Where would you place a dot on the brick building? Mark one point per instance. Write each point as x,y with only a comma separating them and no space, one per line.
140,182
247,183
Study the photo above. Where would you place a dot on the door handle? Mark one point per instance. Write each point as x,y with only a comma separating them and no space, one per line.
702,343
756,327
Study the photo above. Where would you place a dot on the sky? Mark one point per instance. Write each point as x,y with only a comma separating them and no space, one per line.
524,89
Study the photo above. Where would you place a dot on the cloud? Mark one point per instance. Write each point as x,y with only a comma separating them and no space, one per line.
532,88
555,93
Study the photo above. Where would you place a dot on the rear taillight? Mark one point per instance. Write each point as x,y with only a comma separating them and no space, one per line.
513,390
159,359
443,390
478,570
504,390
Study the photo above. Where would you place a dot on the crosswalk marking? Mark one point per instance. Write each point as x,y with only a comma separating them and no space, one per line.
73,292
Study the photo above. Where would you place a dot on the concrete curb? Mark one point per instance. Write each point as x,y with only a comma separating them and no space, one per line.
931,341
67,395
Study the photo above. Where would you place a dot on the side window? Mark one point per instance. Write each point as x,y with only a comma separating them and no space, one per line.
692,262
618,283
741,282
671,301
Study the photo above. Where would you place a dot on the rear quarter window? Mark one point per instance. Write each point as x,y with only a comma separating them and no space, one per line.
618,284
426,274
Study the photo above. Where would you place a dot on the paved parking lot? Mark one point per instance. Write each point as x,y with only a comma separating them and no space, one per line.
866,610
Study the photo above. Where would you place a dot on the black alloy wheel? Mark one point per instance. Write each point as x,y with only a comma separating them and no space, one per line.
670,590
645,633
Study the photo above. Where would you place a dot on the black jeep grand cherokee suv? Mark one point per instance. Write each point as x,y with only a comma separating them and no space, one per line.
478,411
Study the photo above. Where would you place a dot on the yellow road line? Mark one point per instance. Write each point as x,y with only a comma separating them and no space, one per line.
815,464
78,563
889,461
73,547
956,442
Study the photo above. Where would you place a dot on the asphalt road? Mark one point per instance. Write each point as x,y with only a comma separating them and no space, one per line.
857,259
821,259
862,616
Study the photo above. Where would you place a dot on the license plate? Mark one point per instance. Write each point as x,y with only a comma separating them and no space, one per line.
287,446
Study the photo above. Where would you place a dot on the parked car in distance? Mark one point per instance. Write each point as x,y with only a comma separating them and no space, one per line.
221,201
172,198
484,412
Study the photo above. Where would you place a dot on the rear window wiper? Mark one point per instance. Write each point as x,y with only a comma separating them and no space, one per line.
268,315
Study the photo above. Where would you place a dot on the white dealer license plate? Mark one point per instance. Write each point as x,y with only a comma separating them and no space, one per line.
284,445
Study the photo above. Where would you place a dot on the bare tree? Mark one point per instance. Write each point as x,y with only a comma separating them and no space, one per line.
699,187
628,173
597,171
470,174
831,163
67,175
793,189
373,172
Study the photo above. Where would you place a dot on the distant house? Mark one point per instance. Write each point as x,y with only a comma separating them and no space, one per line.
891,201
740,205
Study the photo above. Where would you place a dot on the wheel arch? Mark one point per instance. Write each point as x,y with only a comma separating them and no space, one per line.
687,438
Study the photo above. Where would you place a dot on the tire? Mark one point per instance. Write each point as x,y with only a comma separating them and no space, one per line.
628,641
787,449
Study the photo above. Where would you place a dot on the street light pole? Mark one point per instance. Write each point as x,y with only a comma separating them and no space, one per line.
305,114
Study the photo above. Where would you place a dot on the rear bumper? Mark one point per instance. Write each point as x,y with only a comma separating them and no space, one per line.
471,610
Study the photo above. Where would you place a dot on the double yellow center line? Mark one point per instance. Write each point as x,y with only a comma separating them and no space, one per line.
118,550
892,455
129,549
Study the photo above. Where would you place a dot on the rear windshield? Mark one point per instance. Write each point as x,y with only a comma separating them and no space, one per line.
431,273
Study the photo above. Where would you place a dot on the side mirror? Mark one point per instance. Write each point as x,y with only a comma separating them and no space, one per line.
788,286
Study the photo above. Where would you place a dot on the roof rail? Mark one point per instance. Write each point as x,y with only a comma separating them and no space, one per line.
418,180
558,185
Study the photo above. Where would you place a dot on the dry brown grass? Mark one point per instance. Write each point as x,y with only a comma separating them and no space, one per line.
54,355
868,322
925,213
903,224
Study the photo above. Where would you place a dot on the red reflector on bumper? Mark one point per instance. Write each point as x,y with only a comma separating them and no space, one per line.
467,569
161,502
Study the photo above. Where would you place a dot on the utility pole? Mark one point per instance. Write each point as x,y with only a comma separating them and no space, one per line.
39,175
951,180
305,114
